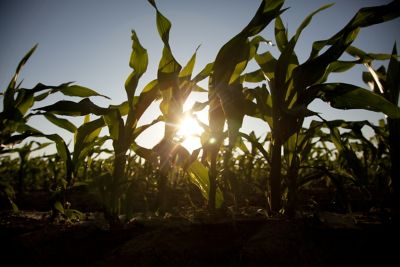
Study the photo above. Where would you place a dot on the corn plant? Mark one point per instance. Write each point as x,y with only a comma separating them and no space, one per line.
23,154
225,87
18,101
293,86
352,165
122,133
176,84
387,84
17,104
8,168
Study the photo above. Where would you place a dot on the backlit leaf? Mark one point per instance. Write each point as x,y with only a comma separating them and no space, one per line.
186,72
70,108
77,90
199,176
139,57
347,96
62,123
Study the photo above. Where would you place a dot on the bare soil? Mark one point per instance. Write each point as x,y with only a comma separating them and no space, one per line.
331,239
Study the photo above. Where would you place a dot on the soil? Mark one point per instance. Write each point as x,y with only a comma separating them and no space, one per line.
329,239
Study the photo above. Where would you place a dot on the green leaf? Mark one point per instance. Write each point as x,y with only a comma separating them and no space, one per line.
288,61
84,137
242,146
267,11
20,66
8,101
186,72
199,177
199,106
123,108
196,88
204,73
363,18
150,93
115,124
147,154
253,77
138,62
58,206
139,57
62,123
168,69
62,148
231,60
63,152
280,34
267,63
347,96
163,25
77,90
70,108
24,101
364,57
340,66
314,69
392,79
255,43
308,19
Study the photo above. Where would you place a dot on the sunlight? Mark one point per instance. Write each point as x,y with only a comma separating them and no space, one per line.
189,132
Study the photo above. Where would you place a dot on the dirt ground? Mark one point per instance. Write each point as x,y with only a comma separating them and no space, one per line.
29,239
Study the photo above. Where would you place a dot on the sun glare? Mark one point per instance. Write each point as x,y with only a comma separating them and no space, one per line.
189,132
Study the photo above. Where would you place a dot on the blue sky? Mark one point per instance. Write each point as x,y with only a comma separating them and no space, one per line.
88,41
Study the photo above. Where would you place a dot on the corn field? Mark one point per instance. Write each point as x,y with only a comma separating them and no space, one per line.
298,170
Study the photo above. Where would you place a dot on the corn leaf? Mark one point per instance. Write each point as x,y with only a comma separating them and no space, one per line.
147,154
63,152
392,79
280,34
84,137
139,57
115,124
70,108
58,206
146,97
267,63
187,71
62,123
253,77
230,62
8,101
24,101
199,177
138,62
347,96
204,73
77,90
364,17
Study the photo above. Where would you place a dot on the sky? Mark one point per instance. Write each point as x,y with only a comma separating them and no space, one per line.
88,41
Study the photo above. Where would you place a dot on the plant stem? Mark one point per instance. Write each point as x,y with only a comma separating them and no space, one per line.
394,144
213,180
275,176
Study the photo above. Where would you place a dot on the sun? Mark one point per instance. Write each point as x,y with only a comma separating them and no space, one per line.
189,132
